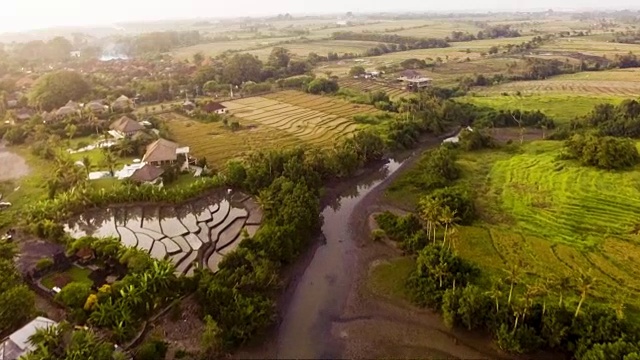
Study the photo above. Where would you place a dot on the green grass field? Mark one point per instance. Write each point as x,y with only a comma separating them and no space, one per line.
388,279
561,107
552,216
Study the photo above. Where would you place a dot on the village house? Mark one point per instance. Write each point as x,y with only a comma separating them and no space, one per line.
125,127
188,106
65,111
214,107
371,74
148,174
97,107
413,80
85,255
11,104
17,344
163,152
122,103
24,114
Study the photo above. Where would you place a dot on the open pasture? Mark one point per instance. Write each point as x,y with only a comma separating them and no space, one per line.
554,216
315,120
561,107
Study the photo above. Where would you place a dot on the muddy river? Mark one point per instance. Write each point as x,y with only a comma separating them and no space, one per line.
322,290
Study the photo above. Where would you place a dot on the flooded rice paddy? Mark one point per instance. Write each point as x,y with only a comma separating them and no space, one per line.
198,233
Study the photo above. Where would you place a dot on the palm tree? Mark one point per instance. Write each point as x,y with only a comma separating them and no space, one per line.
542,290
94,122
109,160
453,236
125,148
532,292
447,217
496,292
585,283
427,212
619,303
88,165
513,276
517,311
440,271
562,284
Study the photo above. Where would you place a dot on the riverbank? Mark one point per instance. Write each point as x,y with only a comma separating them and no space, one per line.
328,310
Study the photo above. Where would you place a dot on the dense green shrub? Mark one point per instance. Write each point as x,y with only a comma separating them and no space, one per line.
44,263
322,85
457,199
475,140
603,152
438,269
74,294
152,349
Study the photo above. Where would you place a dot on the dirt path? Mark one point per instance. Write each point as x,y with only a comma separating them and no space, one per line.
12,166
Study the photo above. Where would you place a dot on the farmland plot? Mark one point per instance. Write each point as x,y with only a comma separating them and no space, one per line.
313,119
218,144
583,87
394,92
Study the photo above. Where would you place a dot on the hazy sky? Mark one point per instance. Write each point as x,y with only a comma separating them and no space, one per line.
18,15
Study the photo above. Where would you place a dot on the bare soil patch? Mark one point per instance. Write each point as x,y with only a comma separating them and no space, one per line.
181,329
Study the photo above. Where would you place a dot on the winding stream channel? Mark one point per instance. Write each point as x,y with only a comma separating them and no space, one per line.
322,290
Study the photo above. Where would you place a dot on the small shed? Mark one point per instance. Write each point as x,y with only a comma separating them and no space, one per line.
214,107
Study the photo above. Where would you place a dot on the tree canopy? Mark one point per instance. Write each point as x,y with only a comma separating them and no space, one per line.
55,89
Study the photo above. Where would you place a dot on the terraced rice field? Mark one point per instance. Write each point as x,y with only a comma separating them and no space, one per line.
590,45
561,107
364,85
555,217
218,144
312,119
581,87
197,234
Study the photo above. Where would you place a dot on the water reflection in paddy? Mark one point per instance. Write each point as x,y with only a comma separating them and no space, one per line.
200,232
